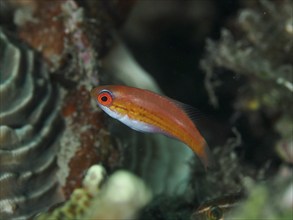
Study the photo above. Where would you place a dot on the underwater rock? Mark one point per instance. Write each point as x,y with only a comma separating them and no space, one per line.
85,140
58,30
39,27
120,197
30,126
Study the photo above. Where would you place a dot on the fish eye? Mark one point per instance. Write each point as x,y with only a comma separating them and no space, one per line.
215,213
105,98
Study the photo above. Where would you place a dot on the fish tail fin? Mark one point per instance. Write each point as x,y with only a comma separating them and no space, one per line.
210,162
205,156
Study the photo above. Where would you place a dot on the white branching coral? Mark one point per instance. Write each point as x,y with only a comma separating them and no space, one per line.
120,197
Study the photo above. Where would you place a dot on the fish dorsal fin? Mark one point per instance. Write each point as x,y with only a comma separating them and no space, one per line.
193,113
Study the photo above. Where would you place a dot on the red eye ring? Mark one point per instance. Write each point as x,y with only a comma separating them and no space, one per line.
105,98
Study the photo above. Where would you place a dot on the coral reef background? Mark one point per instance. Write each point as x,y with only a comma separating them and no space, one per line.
231,59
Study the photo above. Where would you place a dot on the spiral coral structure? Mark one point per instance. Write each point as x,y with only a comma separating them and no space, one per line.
29,130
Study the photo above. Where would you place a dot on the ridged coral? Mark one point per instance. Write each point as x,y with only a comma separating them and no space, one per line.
29,131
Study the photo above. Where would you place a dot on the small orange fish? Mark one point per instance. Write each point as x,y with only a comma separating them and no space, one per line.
146,111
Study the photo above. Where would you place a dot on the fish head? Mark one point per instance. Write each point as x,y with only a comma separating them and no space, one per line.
111,100
103,96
